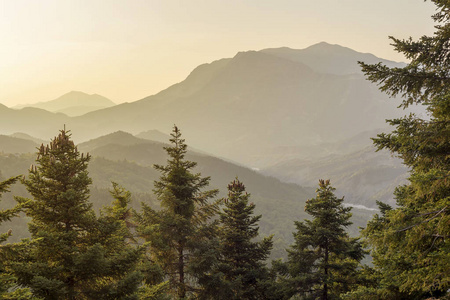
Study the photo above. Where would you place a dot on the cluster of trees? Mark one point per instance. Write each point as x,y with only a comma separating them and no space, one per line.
196,247
192,247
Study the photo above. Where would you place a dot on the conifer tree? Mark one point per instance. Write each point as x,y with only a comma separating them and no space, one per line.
241,261
72,254
323,259
178,232
410,243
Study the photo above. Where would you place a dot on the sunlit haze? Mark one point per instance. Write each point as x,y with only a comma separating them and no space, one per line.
127,50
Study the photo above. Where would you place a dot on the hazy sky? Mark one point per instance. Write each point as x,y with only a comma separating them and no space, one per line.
129,49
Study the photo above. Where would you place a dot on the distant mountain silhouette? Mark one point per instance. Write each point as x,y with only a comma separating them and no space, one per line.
25,136
363,176
116,138
33,121
73,103
154,135
9,144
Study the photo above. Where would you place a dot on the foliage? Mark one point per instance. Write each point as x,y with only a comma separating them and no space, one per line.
323,260
410,243
178,233
240,272
7,214
72,254
8,285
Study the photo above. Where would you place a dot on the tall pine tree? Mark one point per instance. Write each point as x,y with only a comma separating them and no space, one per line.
240,272
323,259
410,243
178,232
72,253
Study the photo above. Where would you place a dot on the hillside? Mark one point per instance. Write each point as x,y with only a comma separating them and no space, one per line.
9,144
363,176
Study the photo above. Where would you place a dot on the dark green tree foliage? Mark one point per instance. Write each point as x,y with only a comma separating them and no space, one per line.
8,285
241,265
323,259
72,253
7,214
410,244
179,232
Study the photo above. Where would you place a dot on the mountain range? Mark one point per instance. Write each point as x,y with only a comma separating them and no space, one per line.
242,107
298,115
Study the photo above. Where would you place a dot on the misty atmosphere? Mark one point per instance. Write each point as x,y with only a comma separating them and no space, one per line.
289,154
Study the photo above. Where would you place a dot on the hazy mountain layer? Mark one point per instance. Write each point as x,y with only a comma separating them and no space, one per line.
25,136
33,121
73,103
363,176
9,144
154,135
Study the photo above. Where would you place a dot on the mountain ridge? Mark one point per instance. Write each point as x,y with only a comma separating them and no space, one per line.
330,58
72,103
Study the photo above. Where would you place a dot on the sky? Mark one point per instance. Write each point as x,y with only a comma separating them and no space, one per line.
126,50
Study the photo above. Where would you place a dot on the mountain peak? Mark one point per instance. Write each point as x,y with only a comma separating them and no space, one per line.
325,48
76,93
116,138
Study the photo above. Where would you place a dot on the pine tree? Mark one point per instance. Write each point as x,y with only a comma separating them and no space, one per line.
323,259
241,269
178,232
410,243
72,254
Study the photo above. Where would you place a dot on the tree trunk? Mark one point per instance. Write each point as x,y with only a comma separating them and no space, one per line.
181,287
325,283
